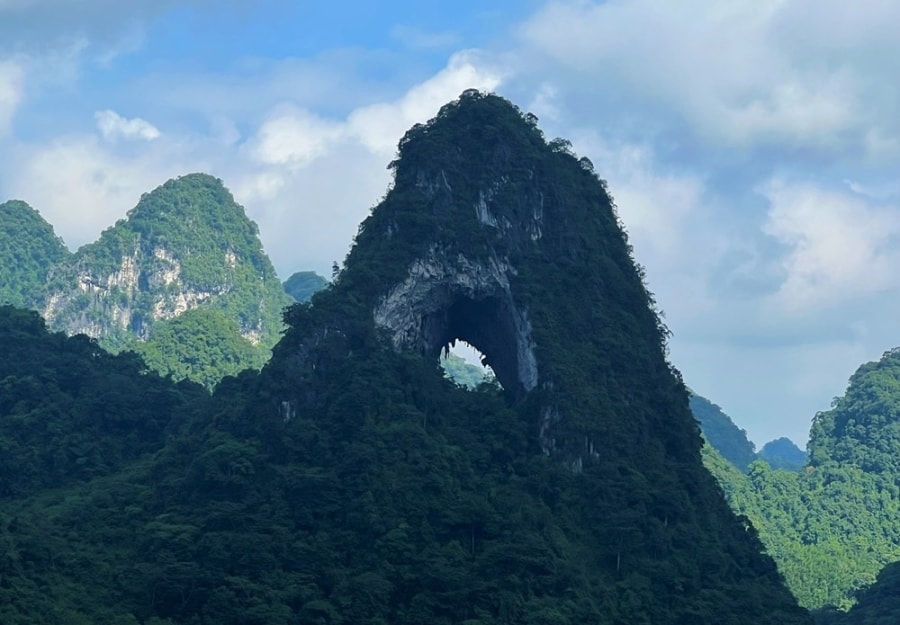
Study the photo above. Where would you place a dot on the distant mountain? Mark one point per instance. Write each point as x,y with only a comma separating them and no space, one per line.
304,284
782,453
722,433
28,248
464,373
186,245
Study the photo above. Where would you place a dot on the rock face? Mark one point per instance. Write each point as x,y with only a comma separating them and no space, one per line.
444,298
186,244
492,235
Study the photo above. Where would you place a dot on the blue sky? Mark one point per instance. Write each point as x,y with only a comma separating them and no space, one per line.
752,146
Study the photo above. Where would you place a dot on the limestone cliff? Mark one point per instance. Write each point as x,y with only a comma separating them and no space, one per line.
185,245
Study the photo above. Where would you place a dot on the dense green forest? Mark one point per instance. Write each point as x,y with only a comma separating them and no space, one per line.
833,525
28,248
203,345
879,604
350,481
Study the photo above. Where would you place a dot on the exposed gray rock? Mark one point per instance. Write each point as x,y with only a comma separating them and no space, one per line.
447,296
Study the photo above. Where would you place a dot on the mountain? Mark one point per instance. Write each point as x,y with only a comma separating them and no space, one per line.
782,453
186,245
492,235
28,248
304,284
350,482
722,433
862,429
833,526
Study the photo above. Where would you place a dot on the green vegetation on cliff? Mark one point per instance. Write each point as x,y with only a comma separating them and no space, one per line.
607,428
186,245
28,248
203,345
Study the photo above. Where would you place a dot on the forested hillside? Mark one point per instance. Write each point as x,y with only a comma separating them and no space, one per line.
351,482
28,248
833,526
187,247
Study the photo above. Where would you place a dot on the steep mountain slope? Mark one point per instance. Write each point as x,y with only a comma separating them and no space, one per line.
351,482
28,248
185,245
494,236
722,433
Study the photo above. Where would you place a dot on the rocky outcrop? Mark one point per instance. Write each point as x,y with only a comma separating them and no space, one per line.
185,245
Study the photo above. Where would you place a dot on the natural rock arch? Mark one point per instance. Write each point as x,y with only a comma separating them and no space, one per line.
445,298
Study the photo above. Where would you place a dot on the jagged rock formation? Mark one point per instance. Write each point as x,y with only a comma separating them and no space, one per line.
186,244
349,481
28,248
492,235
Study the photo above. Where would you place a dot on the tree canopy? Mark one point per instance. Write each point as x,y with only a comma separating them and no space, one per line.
28,248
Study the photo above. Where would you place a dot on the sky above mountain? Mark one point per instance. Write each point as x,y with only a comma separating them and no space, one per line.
753,146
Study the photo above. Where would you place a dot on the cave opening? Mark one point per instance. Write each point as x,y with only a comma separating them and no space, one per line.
487,326
467,366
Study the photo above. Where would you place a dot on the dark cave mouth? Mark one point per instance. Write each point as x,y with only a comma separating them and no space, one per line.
487,325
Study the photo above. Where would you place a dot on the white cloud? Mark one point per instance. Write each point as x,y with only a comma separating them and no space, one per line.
113,126
380,126
10,93
793,73
82,185
841,247
294,136
307,180
413,37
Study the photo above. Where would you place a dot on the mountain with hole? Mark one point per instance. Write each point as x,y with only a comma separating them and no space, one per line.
350,481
